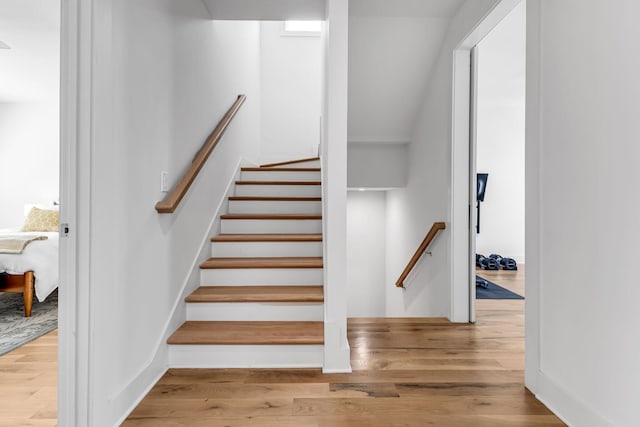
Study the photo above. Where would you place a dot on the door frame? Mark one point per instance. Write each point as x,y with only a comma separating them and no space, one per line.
462,189
85,117
473,185
70,358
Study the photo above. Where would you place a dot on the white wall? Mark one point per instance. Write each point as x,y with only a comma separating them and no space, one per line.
29,106
392,48
291,86
366,253
412,211
500,136
30,169
377,165
174,74
582,122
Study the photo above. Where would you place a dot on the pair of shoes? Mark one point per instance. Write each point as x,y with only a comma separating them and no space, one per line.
508,264
487,263
483,283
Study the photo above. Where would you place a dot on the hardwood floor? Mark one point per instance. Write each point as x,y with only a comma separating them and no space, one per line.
28,377
406,372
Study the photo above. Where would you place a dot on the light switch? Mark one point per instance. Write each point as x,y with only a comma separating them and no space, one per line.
164,181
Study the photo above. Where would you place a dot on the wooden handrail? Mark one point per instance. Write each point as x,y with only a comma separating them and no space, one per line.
437,226
171,202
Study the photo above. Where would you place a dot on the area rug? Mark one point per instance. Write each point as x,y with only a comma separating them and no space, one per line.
17,330
494,291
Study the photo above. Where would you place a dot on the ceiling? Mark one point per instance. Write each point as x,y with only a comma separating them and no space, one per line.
29,71
406,8
392,48
268,10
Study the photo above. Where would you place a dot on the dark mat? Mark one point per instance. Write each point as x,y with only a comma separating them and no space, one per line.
493,291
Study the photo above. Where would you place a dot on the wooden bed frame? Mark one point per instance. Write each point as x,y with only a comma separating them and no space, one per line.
20,283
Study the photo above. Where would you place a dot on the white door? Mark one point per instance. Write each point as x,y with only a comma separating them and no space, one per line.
473,217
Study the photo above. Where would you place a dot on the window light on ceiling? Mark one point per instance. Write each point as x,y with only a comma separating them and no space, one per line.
3,45
302,26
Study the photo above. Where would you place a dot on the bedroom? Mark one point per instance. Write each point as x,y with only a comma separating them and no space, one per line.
29,175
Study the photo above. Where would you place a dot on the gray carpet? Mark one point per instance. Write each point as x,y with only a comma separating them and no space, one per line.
15,329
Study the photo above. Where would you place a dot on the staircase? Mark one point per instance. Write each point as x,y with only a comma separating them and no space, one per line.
260,302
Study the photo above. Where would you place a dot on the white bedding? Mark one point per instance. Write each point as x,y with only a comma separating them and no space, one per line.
41,257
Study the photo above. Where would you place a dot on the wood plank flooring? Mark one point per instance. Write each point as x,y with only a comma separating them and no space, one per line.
28,382
411,372
406,372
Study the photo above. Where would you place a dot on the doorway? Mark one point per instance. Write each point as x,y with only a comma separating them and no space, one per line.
29,190
463,179
497,160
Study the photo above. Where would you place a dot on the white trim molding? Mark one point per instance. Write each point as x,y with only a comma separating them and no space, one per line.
334,187
533,237
566,406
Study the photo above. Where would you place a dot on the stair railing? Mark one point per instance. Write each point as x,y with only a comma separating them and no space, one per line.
173,199
435,228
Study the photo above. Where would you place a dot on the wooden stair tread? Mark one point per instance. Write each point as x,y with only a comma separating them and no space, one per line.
267,238
268,169
290,162
263,262
278,183
257,294
274,199
271,216
247,333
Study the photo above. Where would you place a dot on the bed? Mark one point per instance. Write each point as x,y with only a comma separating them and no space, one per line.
35,270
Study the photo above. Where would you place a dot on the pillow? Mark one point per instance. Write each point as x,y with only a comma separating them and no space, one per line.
41,220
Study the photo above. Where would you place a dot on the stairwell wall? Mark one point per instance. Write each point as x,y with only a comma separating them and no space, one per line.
291,94
366,253
174,74
412,210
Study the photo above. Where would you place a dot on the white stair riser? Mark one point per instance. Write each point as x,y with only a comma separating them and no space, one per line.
266,249
307,164
246,356
280,176
267,226
261,276
251,311
279,190
275,207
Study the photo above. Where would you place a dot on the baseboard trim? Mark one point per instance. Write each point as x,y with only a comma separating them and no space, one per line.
567,407
144,393
337,371
337,352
